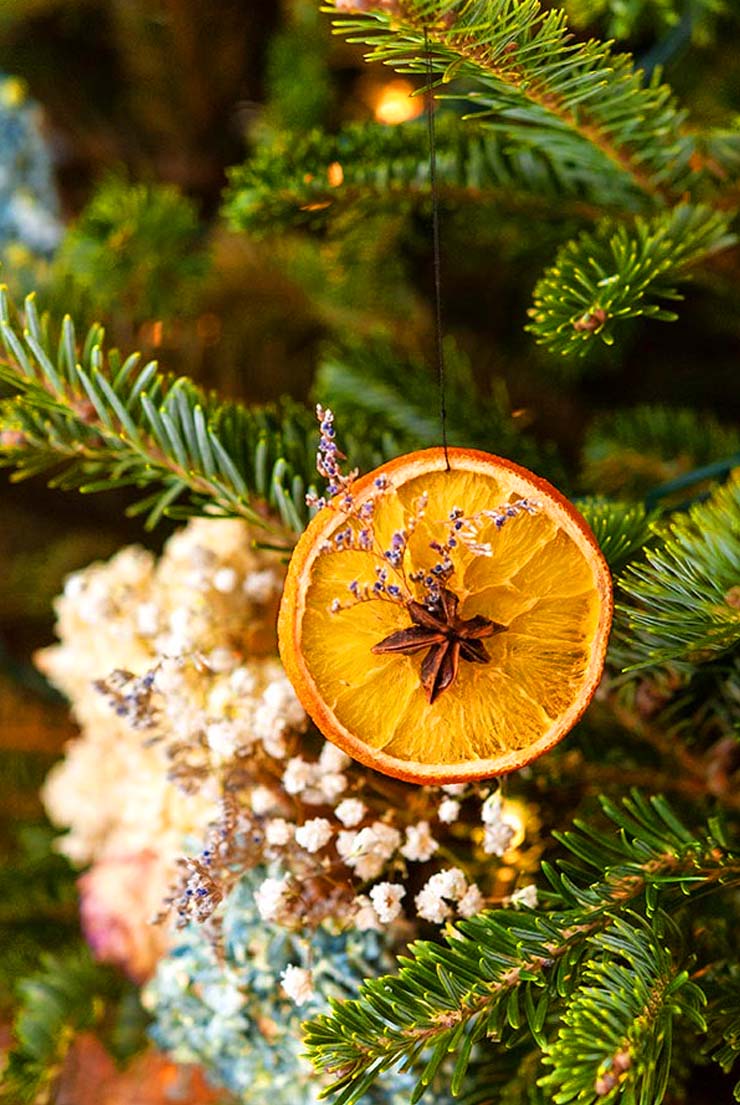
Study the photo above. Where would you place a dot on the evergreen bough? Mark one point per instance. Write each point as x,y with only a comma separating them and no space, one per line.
596,980
570,126
577,1001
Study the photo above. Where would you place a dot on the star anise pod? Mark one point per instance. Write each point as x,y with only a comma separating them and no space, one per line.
447,637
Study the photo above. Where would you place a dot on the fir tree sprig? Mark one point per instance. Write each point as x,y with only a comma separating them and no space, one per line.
629,452
135,248
723,1020
503,972
621,528
99,421
309,179
623,20
368,386
70,993
618,272
616,1032
521,68
684,596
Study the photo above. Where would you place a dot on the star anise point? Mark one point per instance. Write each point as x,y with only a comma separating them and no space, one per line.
447,638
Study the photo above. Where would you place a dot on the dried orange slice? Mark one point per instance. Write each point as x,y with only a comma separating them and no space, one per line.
446,625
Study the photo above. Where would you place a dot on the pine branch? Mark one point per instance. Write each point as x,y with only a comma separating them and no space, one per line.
618,272
629,451
520,67
368,386
134,247
69,994
99,422
616,1032
685,597
624,20
621,529
502,972
717,151
309,179
723,1019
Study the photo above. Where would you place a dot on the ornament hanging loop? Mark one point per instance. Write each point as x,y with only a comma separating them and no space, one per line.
436,253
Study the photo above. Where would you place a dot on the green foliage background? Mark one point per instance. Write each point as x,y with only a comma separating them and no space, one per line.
581,199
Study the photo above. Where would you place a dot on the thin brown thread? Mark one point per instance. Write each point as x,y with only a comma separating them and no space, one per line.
441,381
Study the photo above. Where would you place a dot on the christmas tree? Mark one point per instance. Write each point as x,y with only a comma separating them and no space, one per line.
478,205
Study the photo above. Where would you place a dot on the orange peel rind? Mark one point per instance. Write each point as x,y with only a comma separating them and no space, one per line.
541,579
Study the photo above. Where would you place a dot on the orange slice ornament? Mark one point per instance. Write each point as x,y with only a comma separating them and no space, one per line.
444,625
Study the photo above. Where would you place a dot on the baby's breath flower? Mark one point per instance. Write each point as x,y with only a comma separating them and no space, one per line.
222,739
431,906
491,809
499,832
262,800
298,984
365,918
449,810
283,701
275,745
242,681
332,759
225,580
449,883
298,775
345,842
471,902
222,659
271,898
333,784
524,896
386,899
351,811
369,850
260,587
147,619
278,831
313,835
497,838
420,845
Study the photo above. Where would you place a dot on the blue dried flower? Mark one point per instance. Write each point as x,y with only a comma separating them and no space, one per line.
233,1016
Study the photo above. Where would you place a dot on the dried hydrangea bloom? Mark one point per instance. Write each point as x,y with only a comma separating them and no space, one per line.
118,896
190,642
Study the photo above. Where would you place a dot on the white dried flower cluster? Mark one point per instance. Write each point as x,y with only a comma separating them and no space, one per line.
350,812
443,892
313,835
386,898
272,898
449,811
498,831
298,984
318,782
420,845
524,896
192,619
367,851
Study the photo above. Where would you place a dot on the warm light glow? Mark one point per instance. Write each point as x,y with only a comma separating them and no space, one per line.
152,333
335,174
515,814
394,103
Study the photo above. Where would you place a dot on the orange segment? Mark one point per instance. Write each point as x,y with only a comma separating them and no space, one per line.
545,585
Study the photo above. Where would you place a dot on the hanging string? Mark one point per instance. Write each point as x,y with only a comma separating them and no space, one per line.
435,247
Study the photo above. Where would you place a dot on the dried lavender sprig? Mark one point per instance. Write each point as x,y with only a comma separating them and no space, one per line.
328,464
130,697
